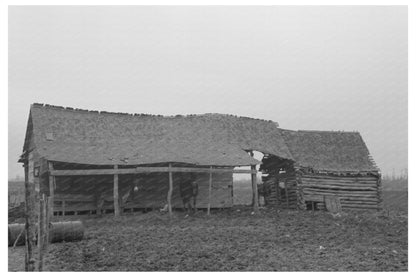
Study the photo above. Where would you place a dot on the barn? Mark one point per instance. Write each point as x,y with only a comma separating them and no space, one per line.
92,162
328,170
95,162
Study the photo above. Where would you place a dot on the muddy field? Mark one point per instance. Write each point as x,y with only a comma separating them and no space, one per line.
234,240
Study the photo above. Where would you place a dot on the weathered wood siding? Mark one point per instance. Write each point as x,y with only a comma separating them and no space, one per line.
354,192
280,197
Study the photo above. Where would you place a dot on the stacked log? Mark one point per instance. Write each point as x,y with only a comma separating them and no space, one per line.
354,192
280,197
290,199
301,197
270,190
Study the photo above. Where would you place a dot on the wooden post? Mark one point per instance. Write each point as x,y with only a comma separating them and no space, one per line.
379,192
254,187
30,216
47,222
287,195
99,205
51,191
277,193
255,192
63,207
170,191
209,192
116,199
41,232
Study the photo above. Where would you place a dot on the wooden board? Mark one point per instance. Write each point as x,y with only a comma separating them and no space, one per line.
86,172
332,204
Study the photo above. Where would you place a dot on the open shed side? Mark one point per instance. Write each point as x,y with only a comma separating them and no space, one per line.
96,161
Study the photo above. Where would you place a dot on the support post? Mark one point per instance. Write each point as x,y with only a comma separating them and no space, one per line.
48,200
30,215
170,191
287,195
116,198
63,207
254,187
277,194
209,192
41,232
51,190
379,192
99,204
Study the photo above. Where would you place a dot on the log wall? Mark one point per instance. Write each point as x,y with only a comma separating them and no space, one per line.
354,192
279,197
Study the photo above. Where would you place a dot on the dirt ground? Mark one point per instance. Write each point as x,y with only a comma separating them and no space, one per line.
234,240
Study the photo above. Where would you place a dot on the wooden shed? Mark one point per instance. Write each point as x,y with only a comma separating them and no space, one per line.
328,170
90,161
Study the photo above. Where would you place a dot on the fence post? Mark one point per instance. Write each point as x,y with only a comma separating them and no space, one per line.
170,191
115,195
30,226
41,232
209,191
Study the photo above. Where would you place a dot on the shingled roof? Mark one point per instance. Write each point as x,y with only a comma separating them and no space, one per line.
102,138
329,151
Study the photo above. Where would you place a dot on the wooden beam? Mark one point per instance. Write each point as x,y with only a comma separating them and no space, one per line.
63,207
170,191
99,204
51,190
42,229
209,192
30,217
115,193
255,191
287,196
277,194
255,201
47,225
82,172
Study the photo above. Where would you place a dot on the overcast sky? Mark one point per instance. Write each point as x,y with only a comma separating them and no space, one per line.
321,68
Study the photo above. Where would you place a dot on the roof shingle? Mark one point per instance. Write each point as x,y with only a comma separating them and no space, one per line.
102,138
329,151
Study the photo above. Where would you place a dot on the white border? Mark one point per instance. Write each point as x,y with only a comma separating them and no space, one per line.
4,89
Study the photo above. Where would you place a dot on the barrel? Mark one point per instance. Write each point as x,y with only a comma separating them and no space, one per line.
59,231
66,231
14,231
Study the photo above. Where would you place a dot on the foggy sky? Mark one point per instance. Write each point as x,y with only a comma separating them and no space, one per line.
319,68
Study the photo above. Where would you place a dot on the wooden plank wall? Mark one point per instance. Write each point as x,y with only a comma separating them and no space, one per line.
354,192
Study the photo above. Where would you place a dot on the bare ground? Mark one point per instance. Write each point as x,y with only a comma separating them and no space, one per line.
234,240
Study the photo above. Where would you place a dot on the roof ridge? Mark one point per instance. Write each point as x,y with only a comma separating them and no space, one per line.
71,109
242,117
327,131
